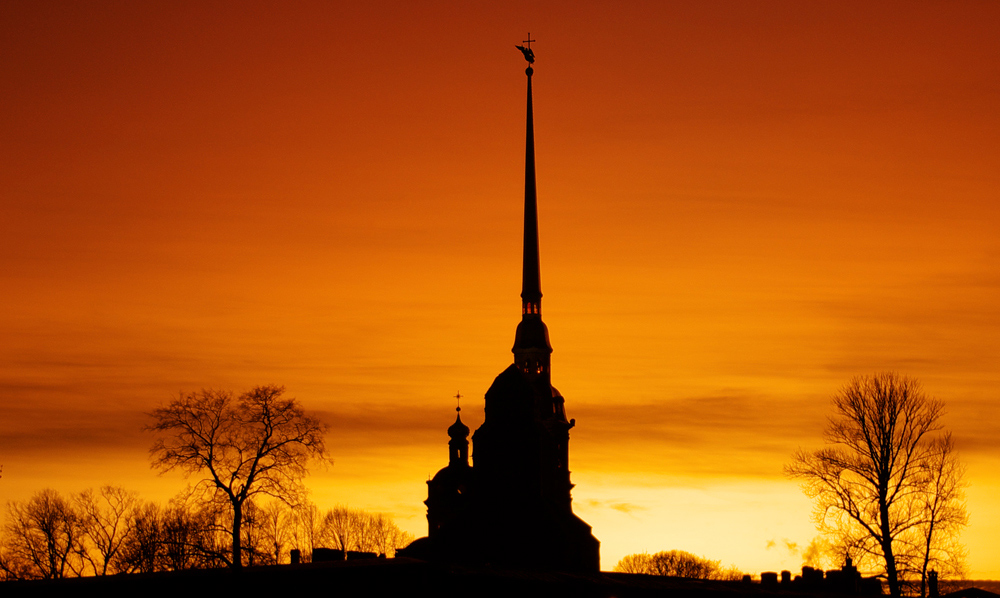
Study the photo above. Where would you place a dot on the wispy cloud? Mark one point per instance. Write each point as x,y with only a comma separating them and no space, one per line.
732,435
622,507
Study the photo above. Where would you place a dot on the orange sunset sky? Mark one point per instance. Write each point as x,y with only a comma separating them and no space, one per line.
741,206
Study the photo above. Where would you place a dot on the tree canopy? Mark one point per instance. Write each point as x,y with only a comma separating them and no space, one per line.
257,443
878,485
676,563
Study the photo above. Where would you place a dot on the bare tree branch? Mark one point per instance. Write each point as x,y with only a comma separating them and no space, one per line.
257,443
873,485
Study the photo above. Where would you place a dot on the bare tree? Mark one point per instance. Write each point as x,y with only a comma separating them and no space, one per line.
278,525
870,484
676,563
256,444
142,550
640,562
194,535
355,529
256,541
269,529
183,535
107,521
397,539
307,528
43,538
384,536
944,515
343,528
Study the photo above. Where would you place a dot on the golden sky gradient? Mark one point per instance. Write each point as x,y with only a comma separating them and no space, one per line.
741,206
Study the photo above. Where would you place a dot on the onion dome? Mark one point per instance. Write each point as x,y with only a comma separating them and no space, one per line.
458,430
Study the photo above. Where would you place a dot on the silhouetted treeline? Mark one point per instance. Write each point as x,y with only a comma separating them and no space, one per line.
112,531
677,563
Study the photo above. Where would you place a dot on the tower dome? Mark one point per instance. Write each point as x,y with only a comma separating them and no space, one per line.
458,430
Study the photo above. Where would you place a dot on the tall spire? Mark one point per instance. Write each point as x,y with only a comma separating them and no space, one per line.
531,277
513,507
531,342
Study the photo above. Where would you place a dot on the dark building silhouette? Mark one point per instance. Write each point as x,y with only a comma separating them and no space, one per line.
513,507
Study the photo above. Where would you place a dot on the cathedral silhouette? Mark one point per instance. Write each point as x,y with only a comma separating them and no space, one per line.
513,507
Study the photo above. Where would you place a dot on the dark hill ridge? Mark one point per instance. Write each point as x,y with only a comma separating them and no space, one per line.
392,577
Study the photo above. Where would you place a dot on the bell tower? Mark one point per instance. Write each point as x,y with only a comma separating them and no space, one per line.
513,506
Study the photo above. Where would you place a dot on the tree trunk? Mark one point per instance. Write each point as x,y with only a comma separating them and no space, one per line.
890,559
927,558
237,540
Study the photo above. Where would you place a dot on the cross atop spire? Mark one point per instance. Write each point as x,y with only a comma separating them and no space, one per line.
529,54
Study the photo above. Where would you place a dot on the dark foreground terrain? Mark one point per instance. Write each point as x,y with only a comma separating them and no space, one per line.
393,577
